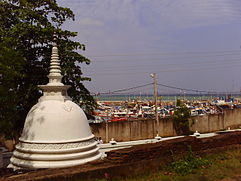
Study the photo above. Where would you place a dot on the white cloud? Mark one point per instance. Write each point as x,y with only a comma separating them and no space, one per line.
145,18
181,14
122,25
110,27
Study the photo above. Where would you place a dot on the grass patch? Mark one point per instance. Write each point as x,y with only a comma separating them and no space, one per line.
212,167
188,164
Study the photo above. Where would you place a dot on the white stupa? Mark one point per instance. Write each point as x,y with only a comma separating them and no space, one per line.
56,131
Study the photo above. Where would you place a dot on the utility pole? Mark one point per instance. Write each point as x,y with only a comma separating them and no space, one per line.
153,75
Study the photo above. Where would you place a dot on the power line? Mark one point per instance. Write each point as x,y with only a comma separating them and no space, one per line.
167,57
199,62
126,89
186,89
195,90
164,53
180,69
167,86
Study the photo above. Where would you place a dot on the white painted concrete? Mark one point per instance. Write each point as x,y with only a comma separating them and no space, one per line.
56,131
120,145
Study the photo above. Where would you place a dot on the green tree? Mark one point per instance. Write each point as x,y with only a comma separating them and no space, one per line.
26,30
181,118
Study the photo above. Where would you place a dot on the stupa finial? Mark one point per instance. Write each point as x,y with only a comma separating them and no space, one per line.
55,69
55,89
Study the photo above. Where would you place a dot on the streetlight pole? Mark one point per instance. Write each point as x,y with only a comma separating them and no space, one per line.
153,75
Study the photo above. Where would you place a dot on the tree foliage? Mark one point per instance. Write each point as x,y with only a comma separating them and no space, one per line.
181,118
26,30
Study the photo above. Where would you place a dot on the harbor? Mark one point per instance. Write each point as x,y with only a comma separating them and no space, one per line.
119,108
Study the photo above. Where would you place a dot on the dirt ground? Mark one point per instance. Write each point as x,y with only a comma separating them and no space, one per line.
237,178
133,161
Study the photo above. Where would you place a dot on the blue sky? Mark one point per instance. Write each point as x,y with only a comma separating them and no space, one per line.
188,43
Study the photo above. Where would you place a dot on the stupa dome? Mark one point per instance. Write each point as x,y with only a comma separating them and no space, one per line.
56,131
55,121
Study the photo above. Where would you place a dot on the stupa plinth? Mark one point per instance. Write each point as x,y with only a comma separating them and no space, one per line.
56,132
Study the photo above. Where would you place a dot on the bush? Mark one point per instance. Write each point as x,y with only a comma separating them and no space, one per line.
181,118
188,164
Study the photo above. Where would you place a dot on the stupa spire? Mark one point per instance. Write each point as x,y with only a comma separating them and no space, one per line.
55,89
55,69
